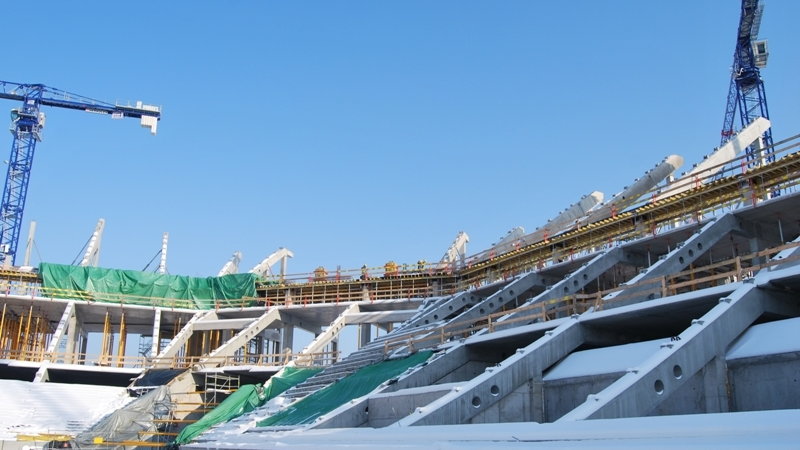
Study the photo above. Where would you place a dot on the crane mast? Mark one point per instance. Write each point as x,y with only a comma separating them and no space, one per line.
746,95
27,123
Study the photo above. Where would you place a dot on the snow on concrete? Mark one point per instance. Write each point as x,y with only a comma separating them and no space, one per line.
771,338
603,360
746,430
54,408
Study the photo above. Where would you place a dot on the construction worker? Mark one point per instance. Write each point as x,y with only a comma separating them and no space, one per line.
421,265
364,272
390,269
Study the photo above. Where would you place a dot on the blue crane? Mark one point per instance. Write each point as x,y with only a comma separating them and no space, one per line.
26,127
746,93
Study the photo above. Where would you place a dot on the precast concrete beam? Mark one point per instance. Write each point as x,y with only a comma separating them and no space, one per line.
675,261
330,334
395,316
436,368
576,280
223,324
462,404
156,344
510,293
233,344
791,255
643,388
180,339
67,318
442,309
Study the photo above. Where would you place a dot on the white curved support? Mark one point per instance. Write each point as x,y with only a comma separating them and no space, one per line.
264,268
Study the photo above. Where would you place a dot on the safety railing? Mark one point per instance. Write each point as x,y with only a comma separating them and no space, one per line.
720,188
319,359
714,274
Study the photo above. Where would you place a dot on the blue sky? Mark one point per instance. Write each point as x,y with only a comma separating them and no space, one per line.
358,132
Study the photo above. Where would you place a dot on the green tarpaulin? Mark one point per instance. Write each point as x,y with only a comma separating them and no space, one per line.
246,399
348,388
131,286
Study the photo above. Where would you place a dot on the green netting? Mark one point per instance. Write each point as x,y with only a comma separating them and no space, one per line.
246,399
95,283
353,386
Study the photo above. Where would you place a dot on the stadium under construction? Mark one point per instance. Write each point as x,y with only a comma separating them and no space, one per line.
668,314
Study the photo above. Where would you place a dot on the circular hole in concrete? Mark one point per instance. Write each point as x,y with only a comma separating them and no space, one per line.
699,245
511,292
451,307
494,390
465,299
691,253
585,277
680,259
426,321
476,401
677,371
566,289
659,387
491,305
482,311
435,317
575,283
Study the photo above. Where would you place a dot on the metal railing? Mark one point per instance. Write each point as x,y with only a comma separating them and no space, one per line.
734,269
319,359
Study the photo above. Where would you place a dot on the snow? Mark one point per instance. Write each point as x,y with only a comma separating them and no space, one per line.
758,429
54,408
485,336
603,360
771,338
419,390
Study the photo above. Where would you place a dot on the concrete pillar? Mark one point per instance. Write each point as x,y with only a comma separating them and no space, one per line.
84,339
537,398
72,339
156,346
715,385
365,293
288,337
364,334
755,246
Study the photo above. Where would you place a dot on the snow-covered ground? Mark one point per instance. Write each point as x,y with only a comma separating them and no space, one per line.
54,408
746,430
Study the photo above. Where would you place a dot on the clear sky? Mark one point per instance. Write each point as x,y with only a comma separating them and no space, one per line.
355,132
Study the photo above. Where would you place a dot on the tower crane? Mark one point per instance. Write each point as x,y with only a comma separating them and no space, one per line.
746,92
27,123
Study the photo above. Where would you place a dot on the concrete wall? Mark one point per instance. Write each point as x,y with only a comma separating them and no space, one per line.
385,410
465,372
564,395
687,399
758,383
765,382
514,407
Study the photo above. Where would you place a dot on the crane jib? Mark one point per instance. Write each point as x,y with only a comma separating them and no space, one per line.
26,126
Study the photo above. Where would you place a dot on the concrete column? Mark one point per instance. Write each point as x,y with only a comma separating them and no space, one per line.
156,346
84,337
288,337
364,334
537,398
755,246
365,293
715,385
72,338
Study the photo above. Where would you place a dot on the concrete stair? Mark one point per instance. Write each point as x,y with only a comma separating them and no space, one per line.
334,373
